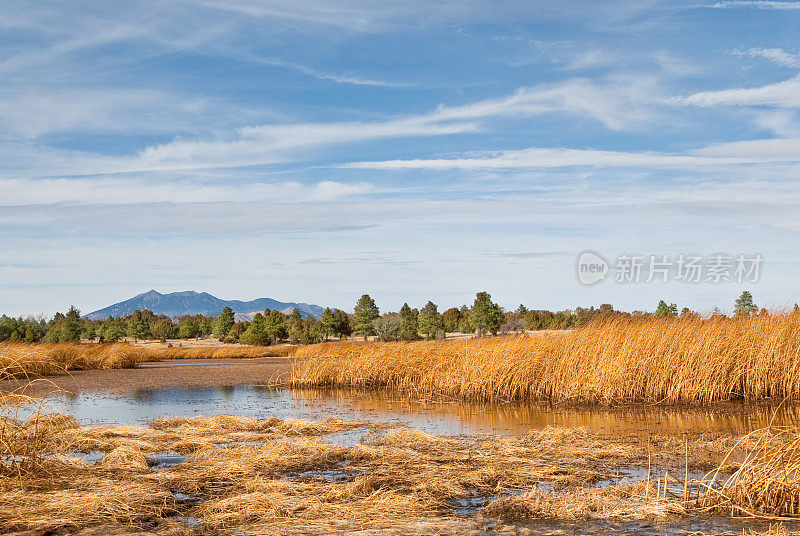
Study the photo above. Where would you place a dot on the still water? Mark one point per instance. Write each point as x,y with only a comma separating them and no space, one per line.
140,406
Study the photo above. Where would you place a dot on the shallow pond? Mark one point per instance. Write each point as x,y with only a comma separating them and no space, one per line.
449,418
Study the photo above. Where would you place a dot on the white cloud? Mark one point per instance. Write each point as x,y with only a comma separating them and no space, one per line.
784,94
733,154
770,150
32,113
783,123
132,191
775,55
618,102
760,4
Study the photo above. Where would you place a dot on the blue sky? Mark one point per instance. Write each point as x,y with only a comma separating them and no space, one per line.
314,151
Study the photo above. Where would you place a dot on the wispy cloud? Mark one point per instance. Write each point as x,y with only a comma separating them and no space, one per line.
784,94
775,55
134,190
729,154
760,4
618,104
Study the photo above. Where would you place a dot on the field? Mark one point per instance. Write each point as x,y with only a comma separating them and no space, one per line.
618,361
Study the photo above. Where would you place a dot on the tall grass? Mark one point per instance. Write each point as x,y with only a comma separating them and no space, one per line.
22,359
767,482
668,360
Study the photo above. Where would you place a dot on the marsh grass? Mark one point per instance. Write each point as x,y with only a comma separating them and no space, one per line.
272,476
681,360
37,360
765,484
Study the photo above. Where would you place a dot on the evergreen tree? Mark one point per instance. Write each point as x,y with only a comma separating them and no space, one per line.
296,331
365,313
70,328
486,315
163,329
328,323
744,305
138,325
342,326
409,323
113,330
663,310
430,323
255,333
275,326
295,316
187,328
223,323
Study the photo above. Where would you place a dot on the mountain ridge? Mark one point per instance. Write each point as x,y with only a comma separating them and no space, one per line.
190,302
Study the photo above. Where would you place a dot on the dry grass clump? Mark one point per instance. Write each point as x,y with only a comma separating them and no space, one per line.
21,359
621,502
126,457
192,435
667,360
767,482
65,494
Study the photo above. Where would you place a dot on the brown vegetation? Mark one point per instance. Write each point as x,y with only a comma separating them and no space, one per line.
682,360
23,359
271,476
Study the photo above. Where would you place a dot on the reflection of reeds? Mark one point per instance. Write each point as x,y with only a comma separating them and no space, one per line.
669,360
41,359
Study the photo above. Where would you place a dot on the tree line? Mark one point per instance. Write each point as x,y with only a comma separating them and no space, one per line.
271,327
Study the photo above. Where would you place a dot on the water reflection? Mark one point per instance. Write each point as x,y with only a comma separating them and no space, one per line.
142,405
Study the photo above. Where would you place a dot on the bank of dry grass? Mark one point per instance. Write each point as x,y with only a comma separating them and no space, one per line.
671,360
34,360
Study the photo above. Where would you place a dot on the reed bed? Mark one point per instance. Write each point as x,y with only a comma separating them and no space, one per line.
36,360
220,352
680,360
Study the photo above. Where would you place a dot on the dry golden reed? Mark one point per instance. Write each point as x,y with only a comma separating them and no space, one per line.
767,482
22,359
681,360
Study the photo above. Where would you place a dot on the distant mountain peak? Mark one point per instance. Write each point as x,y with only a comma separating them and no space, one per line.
190,302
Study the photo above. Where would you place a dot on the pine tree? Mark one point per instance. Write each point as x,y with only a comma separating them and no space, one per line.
430,323
409,323
744,305
70,329
486,315
223,323
365,312
663,310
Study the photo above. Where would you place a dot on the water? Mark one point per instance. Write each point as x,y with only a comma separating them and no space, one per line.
140,406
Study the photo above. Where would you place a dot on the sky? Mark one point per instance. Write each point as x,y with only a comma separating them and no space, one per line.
314,151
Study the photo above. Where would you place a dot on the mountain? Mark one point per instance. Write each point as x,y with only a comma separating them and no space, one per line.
203,303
